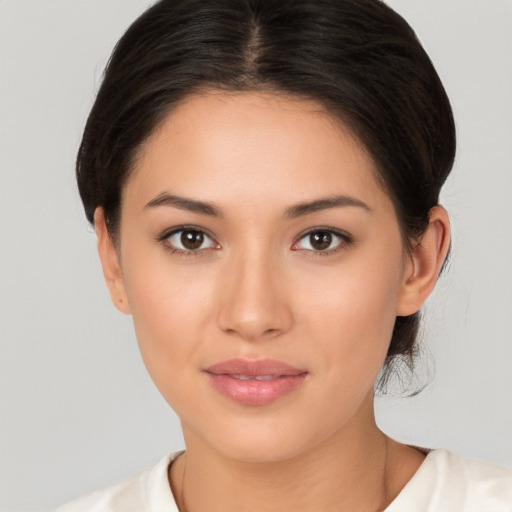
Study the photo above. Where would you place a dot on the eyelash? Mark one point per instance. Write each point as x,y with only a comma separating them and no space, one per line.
345,240
164,239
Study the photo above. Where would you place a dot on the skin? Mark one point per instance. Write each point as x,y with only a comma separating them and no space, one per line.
256,289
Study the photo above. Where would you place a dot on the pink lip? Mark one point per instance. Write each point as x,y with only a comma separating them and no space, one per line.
241,380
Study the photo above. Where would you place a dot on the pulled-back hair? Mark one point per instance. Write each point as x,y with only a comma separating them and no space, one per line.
357,58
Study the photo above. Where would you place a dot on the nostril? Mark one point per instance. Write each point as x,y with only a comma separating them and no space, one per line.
251,306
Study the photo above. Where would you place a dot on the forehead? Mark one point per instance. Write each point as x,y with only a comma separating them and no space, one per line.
255,145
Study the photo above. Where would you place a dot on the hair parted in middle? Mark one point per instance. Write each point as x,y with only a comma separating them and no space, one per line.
358,59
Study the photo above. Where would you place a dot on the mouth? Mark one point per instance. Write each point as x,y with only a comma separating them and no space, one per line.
259,382
255,377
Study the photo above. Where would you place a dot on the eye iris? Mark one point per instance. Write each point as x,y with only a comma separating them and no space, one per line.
321,240
192,239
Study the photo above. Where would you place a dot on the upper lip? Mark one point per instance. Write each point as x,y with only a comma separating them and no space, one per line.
253,368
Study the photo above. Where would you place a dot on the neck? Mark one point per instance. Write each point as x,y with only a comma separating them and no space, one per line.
349,471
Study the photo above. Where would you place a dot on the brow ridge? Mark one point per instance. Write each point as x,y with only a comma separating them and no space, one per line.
298,210
183,203
324,203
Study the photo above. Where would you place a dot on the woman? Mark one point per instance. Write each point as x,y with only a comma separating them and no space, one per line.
264,178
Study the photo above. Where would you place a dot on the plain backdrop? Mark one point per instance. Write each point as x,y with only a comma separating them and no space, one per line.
78,410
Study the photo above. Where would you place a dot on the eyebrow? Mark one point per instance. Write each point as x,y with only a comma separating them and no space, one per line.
325,203
298,210
183,203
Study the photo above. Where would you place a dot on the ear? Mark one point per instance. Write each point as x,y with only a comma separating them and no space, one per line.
110,262
425,263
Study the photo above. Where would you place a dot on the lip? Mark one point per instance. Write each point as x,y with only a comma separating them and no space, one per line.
255,382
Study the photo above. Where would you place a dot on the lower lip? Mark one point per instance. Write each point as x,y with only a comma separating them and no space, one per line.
256,392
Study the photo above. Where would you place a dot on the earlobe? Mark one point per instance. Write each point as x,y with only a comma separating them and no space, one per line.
426,260
110,263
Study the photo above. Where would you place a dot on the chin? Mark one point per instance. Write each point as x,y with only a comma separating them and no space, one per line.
259,440
258,450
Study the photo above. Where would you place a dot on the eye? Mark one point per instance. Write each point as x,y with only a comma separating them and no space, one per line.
321,240
188,240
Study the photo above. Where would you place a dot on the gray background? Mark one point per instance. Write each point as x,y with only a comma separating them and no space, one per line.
78,410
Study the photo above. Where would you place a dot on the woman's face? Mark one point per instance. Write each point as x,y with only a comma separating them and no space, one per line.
264,268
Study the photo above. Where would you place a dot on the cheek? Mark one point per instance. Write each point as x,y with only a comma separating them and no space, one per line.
171,309
347,330
359,297
351,316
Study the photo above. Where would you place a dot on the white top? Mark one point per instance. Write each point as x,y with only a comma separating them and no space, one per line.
443,483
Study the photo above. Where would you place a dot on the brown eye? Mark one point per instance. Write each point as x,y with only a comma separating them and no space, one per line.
192,240
188,240
322,240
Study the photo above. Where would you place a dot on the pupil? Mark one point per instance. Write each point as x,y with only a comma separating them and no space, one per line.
321,240
192,239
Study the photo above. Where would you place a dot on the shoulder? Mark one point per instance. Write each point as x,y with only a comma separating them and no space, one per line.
146,491
447,482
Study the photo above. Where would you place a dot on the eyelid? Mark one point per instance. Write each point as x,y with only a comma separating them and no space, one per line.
165,236
346,239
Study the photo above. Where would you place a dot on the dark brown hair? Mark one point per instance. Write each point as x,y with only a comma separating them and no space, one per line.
358,58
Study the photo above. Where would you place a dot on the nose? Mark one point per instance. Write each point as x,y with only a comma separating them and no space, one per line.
253,303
